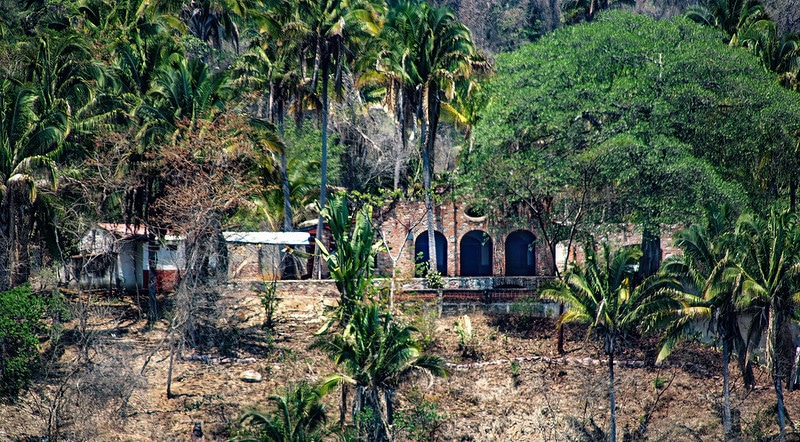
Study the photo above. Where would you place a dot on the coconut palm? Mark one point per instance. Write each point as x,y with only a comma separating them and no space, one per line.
29,148
731,16
270,200
335,27
463,111
770,270
210,21
428,51
70,85
183,90
271,63
602,294
299,416
710,277
778,52
387,65
375,353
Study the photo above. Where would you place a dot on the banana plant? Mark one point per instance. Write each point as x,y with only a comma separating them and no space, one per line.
352,261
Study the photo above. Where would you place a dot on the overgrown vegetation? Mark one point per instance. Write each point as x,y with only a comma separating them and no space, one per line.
20,326
170,118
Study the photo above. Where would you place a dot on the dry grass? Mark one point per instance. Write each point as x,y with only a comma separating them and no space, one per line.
112,399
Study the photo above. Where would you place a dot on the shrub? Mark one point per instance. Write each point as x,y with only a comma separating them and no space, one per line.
20,324
421,420
467,338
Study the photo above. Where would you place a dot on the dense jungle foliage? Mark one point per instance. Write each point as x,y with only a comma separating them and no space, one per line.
197,117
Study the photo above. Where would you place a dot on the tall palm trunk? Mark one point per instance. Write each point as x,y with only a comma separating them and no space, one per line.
429,127
726,391
433,263
401,146
343,406
773,354
324,172
651,252
22,225
287,201
781,413
5,244
612,432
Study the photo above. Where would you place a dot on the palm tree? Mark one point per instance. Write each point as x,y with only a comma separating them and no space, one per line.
333,25
352,261
388,65
731,16
428,51
210,21
299,416
709,277
770,269
70,85
183,90
445,54
602,295
271,63
270,199
376,354
778,53
464,110
29,148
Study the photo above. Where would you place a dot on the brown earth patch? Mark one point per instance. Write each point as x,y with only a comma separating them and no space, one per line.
515,388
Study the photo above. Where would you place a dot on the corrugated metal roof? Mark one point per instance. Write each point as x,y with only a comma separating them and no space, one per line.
289,238
124,230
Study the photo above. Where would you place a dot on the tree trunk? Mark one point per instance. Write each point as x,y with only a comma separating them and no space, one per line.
343,407
560,331
287,197
781,410
651,252
20,270
401,146
428,139
389,406
612,432
152,264
433,264
774,359
171,359
5,245
323,191
726,392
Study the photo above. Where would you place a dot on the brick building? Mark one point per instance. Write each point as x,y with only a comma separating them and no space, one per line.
466,246
475,247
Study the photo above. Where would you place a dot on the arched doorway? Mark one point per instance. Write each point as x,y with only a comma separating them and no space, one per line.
476,254
421,246
520,254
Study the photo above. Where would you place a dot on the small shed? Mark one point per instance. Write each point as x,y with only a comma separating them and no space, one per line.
271,255
116,256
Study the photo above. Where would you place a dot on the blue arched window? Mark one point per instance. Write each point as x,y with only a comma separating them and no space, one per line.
421,246
476,254
520,254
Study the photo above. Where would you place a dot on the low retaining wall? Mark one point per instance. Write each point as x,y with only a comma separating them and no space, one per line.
459,295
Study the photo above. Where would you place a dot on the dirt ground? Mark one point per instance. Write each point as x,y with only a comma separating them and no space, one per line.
511,386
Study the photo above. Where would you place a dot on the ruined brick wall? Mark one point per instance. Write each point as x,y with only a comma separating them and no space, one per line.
623,236
406,221
402,224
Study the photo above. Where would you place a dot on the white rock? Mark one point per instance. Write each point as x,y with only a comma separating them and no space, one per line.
251,376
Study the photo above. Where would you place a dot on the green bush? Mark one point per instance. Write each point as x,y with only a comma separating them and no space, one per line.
20,324
421,420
